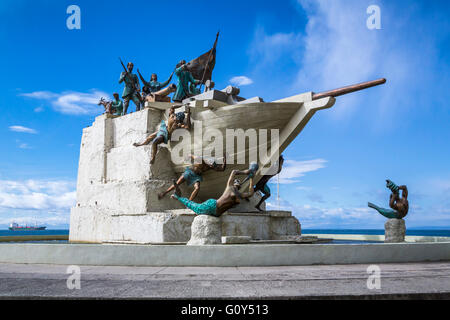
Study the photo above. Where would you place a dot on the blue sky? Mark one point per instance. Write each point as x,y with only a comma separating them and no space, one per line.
53,77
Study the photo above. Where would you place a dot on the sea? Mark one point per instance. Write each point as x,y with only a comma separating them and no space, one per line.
409,232
6,233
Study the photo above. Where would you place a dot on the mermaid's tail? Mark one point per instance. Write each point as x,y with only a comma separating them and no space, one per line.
208,207
371,205
388,213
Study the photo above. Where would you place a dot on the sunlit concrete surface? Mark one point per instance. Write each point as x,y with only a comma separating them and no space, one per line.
223,255
397,281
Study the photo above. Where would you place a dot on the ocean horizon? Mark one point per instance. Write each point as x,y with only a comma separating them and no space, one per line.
431,232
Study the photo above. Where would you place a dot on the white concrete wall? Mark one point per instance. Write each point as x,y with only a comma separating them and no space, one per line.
89,225
222,255
134,127
175,226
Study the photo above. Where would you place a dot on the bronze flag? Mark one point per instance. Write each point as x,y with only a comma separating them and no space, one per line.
202,67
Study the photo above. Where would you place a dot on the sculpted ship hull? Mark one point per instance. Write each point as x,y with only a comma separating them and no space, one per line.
117,186
288,116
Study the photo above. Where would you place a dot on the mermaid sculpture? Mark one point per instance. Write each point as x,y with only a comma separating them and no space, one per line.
399,205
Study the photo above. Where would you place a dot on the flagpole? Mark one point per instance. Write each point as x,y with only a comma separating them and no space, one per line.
209,58
278,191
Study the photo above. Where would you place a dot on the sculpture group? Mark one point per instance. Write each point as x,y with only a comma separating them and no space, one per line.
190,75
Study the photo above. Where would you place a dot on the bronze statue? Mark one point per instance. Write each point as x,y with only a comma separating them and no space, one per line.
114,107
186,83
175,121
106,104
229,199
192,175
132,89
195,72
399,204
262,183
156,91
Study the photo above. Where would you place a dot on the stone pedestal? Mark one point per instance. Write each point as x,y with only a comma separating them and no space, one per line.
205,230
394,231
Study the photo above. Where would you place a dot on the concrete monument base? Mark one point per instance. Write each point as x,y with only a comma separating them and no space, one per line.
394,231
117,189
91,225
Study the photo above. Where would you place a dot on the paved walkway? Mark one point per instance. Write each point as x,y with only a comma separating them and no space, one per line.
410,280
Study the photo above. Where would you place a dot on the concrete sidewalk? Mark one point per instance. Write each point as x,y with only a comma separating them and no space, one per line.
410,280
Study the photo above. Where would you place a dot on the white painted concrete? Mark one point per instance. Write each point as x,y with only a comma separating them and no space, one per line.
222,255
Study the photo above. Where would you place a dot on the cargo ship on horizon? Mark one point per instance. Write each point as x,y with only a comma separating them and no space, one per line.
16,227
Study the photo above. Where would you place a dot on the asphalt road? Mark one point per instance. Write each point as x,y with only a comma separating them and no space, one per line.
401,281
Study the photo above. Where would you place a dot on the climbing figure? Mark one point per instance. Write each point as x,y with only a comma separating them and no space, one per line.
262,183
229,199
175,121
193,174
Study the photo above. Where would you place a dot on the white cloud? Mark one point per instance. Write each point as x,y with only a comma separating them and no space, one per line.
24,146
340,50
71,102
56,219
440,185
321,217
337,49
38,109
241,81
335,34
268,48
44,95
37,194
330,216
22,129
292,169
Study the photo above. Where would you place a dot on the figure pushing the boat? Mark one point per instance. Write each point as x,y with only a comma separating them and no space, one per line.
193,174
262,183
230,198
175,121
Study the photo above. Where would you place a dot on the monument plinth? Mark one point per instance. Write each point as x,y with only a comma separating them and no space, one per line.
117,190
394,231
205,230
